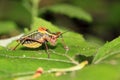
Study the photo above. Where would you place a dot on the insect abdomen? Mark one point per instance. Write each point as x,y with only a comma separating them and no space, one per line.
32,45
32,41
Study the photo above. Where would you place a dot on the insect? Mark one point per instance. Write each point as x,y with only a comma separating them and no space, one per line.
39,37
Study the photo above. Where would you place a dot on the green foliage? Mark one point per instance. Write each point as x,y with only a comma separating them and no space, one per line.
107,50
90,5
98,72
93,72
70,11
114,18
22,63
15,10
31,59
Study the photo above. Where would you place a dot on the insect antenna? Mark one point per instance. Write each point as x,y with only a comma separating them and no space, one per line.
64,32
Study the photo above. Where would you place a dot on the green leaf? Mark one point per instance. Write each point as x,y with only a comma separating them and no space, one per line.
31,59
91,72
98,72
113,60
70,11
15,62
109,49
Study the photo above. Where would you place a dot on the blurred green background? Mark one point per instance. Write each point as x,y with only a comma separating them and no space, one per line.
102,19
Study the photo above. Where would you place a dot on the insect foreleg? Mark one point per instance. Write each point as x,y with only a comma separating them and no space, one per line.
65,46
47,49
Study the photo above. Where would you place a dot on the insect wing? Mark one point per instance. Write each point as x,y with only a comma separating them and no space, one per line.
32,40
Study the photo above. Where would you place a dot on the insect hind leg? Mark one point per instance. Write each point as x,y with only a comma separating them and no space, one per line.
16,46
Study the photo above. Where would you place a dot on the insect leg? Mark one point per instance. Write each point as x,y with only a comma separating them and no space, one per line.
41,43
18,44
65,46
47,49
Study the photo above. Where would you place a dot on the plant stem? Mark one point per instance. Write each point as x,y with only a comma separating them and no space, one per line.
70,69
74,68
35,6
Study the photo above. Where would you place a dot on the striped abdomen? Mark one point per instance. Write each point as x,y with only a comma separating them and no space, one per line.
33,40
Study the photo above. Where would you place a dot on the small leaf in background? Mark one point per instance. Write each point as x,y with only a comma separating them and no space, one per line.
109,49
70,11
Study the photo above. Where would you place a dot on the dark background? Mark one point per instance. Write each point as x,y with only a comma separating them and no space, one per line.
105,14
